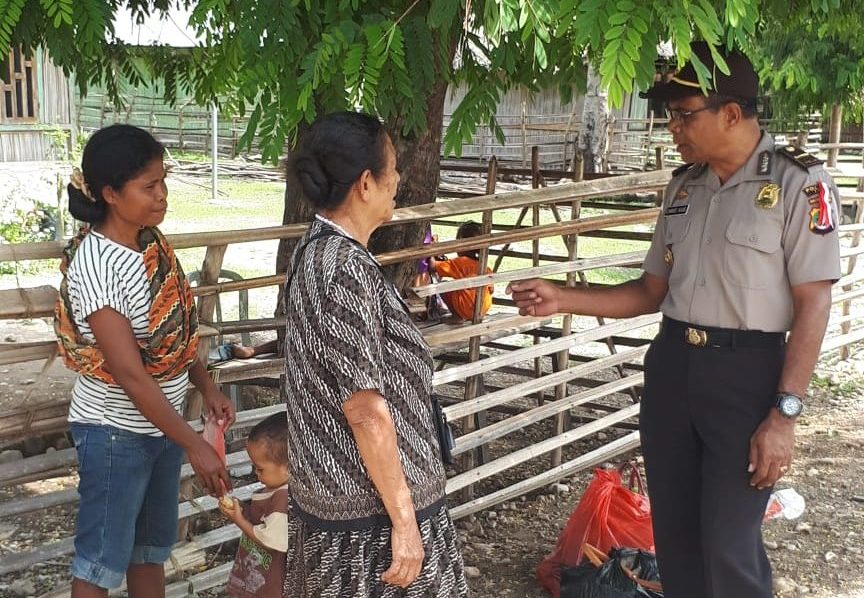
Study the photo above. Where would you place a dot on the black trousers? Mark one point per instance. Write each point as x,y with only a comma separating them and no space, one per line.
700,407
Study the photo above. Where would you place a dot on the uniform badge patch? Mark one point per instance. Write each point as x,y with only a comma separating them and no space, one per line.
668,257
823,215
768,196
682,194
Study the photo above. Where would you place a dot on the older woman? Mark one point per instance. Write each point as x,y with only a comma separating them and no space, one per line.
366,477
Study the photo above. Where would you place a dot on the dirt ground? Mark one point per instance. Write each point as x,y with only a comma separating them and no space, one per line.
821,554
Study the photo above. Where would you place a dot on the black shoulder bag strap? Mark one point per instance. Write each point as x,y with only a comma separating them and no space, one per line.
442,426
298,259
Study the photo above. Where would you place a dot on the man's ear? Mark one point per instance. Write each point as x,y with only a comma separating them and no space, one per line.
732,114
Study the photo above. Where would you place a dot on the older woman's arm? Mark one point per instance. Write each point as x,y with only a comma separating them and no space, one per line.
372,425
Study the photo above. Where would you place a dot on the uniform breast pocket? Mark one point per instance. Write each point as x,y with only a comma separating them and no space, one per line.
752,256
676,228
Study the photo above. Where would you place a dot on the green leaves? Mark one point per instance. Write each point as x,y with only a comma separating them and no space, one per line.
282,62
10,14
624,40
60,11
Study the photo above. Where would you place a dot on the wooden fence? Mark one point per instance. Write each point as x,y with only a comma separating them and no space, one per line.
569,378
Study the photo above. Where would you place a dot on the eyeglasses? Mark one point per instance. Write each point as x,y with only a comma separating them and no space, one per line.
682,116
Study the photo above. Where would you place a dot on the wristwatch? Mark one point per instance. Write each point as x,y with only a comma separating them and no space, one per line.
789,405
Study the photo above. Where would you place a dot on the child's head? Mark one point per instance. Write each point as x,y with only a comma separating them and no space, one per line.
268,450
122,173
467,229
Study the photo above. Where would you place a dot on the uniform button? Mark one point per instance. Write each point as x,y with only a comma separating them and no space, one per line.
708,241
753,238
702,283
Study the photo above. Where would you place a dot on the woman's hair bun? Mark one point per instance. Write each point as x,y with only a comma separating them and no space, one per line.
84,209
316,184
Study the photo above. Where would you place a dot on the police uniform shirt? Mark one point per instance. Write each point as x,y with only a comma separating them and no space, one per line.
731,253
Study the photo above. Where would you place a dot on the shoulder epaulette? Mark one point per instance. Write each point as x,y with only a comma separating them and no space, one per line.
799,156
682,168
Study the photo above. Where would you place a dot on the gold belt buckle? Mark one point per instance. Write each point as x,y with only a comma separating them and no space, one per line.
696,337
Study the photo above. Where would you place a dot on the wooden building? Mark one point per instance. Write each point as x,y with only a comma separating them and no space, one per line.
37,102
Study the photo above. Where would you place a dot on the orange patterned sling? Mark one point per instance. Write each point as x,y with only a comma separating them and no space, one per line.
172,345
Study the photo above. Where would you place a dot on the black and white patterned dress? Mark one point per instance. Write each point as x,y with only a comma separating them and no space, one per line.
348,331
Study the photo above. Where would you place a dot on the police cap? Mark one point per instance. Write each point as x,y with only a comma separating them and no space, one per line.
741,82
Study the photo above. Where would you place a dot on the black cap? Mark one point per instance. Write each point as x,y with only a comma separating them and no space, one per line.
741,82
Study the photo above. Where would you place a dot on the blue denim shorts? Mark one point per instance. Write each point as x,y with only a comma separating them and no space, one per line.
129,487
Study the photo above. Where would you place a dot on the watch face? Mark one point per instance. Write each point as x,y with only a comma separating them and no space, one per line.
790,406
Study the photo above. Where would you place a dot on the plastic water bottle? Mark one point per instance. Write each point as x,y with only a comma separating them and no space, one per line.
786,503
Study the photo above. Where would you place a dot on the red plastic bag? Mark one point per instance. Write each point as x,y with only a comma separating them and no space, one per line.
214,435
609,515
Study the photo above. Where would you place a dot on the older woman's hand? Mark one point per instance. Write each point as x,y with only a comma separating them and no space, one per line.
408,556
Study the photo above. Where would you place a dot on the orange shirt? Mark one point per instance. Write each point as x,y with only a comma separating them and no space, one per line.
461,302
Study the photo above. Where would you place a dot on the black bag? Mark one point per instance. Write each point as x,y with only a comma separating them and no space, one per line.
614,578
445,434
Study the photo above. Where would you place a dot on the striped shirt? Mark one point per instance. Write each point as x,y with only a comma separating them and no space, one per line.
106,274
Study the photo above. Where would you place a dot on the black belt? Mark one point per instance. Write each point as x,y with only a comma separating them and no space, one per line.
706,336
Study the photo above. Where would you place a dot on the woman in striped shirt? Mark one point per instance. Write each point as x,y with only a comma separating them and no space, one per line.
126,323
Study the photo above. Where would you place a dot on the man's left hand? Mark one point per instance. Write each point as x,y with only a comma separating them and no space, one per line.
219,406
771,449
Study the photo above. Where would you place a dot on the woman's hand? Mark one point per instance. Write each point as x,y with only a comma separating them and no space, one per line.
408,555
219,406
208,467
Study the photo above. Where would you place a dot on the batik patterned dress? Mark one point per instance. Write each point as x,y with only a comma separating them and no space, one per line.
347,331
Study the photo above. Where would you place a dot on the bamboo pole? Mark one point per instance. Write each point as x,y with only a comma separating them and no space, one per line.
210,270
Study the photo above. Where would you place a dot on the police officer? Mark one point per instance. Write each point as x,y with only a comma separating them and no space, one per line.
745,250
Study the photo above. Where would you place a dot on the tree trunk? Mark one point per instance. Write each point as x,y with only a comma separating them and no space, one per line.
593,138
834,133
418,159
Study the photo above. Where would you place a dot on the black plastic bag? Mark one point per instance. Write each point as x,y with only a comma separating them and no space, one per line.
610,580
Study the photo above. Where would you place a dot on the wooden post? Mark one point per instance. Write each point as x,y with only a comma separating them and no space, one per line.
535,253
562,358
648,142
474,384
194,402
524,127
659,156
801,140
846,306
578,165
492,175
180,127
834,134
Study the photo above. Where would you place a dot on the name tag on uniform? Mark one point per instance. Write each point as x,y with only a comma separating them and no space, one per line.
676,210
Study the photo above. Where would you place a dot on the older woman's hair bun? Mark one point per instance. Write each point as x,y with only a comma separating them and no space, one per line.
317,186
336,150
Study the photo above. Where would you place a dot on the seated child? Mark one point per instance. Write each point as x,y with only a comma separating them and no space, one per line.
259,566
461,303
